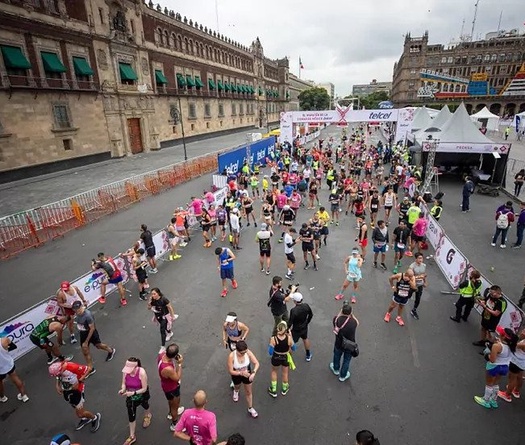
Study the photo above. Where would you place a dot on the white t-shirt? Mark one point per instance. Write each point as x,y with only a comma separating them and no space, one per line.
288,240
234,221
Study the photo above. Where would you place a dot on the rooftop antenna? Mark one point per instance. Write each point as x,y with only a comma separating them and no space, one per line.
499,23
217,14
474,21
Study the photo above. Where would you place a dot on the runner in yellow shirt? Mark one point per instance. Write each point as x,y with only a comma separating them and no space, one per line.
324,218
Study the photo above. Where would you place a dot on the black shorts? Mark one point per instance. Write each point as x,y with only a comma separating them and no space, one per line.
150,252
142,276
238,379
206,227
290,257
324,230
41,342
279,360
296,335
287,222
266,253
248,210
173,394
416,238
94,340
307,247
514,369
74,397
489,325
3,376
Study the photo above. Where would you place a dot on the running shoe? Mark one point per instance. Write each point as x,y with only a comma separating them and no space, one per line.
110,355
288,277
180,410
339,296
82,423
375,264
102,300
383,266
262,269
337,223
346,377
387,317
234,284
316,268
142,296
123,302
394,270
224,293
95,423
169,335
354,299
317,257
68,358
285,391
306,267
268,272
408,253
162,349
253,413
481,401
177,257
155,270
90,373
336,372
516,394
272,392
73,340
503,395
400,321
414,314
23,398
173,426
52,360
309,357
3,399
280,240
494,404
235,396
130,440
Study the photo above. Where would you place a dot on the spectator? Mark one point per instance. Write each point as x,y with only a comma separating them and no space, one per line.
504,217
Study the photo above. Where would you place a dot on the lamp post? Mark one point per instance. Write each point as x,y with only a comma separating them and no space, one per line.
182,130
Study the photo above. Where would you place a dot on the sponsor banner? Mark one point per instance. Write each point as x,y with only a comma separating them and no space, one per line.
459,147
219,181
259,151
232,161
219,197
451,261
434,231
372,115
404,123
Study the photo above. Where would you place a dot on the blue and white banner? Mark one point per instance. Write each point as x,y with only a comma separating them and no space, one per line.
260,150
518,120
232,161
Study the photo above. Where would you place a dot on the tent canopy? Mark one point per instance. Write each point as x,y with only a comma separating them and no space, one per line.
484,113
435,126
491,119
421,119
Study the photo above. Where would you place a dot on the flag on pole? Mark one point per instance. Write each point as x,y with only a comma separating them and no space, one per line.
301,66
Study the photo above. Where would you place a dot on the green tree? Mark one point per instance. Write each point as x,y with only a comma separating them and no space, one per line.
314,99
371,101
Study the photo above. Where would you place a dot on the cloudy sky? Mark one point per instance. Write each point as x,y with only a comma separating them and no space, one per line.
347,41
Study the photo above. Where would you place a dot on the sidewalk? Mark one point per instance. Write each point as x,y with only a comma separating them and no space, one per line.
34,192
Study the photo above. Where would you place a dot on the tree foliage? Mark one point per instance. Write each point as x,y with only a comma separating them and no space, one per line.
314,99
371,101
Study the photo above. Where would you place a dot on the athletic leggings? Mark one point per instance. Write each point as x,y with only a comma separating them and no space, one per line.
163,330
418,294
132,405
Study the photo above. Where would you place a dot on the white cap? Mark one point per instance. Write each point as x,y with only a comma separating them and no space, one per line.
297,297
235,210
230,318
286,207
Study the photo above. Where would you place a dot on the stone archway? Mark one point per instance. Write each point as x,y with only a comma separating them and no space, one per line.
522,108
479,107
495,108
469,108
510,109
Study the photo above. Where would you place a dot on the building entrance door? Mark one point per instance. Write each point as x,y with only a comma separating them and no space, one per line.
135,136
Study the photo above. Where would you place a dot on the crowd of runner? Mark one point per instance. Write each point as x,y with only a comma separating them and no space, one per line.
371,188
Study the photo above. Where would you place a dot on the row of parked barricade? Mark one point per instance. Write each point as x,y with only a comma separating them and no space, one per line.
35,227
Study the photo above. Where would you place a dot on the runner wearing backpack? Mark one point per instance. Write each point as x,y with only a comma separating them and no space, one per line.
504,217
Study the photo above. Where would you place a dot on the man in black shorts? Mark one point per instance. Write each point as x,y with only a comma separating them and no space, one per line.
307,237
289,243
40,337
263,237
300,317
493,307
89,334
277,302
147,238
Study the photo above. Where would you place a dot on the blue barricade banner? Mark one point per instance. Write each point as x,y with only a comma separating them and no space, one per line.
260,150
232,161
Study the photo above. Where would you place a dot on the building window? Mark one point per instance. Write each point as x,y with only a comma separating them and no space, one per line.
53,66
501,58
443,60
208,125
132,26
234,110
83,70
241,109
61,115
450,60
221,111
101,15
207,110
412,71
192,127
127,74
15,61
68,144
192,111
494,58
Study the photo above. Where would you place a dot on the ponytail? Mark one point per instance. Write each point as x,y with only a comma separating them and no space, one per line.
365,437
512,339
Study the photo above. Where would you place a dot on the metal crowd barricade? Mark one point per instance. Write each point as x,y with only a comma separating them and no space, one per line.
34,227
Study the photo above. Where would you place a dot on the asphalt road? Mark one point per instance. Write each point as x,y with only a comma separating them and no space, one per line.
410,385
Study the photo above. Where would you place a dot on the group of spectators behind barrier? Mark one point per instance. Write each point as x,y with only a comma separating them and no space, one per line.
32,228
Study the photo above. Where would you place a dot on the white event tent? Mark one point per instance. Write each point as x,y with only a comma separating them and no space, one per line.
435,126
492,120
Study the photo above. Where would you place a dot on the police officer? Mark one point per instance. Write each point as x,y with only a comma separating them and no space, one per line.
469,290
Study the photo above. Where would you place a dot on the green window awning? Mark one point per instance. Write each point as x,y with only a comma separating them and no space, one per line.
242,88
227,86
252,91
52,63
14,58
160,78
126,72
82,67
260,91
287,95
181,80
198,82
190,81
220,86
211,84
234,87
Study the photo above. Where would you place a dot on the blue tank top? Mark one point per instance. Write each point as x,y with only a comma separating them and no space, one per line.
223,257
353,270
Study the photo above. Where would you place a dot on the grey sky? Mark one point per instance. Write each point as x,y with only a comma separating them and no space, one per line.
347,41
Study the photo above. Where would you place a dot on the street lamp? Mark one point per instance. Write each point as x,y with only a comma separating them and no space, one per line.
182,130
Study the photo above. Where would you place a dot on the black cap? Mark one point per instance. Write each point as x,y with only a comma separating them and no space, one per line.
76,305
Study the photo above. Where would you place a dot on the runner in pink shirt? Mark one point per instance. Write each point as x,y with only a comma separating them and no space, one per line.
295,201
199,425
281,200
196,204
419,228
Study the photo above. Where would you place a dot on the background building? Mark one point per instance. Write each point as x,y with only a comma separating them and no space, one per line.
85,80
368,88
295,87
330,89
487,72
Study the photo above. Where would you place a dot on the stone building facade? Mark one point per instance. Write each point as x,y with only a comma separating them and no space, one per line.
364,89
83,80
481,73
295,88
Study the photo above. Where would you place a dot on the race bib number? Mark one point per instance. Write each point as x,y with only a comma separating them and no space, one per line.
402,293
